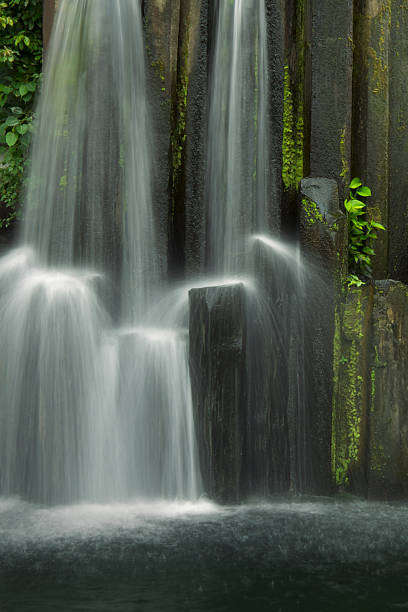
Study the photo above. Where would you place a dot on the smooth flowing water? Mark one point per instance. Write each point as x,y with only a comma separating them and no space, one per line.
89,191
238,143
95,392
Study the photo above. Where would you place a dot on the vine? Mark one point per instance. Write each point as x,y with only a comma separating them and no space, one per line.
362,234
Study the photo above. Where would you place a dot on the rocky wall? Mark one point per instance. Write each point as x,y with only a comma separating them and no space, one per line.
329,27
323,239
370,425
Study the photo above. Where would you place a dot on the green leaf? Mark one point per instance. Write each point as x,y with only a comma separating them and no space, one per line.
16,110
354,280
23,90
377,225
11,121
355,183
22,129
364,191
11,138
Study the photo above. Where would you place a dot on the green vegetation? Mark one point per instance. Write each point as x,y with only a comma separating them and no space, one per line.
362,233
292,146
20,71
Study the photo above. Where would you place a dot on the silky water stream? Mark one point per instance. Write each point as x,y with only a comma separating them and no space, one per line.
102,503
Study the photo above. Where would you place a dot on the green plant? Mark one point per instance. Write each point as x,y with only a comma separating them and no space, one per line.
354,281
362,233
20,71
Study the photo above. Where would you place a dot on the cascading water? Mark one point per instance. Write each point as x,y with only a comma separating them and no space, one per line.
240,213
87,411
238,142
89,192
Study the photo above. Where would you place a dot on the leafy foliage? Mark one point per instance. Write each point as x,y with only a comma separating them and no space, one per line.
20,71
354,281
362,233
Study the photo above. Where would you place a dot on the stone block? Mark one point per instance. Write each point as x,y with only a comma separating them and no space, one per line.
218,375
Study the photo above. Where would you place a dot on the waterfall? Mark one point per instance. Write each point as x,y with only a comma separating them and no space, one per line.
89,196
240,209
95,394
238,141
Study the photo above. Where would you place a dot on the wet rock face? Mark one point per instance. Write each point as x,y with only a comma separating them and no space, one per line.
275,20
380,124
388,415
330,66
371,112
323,237
238,364
370,425
197,24
352,390
217,365
398,146
176,42
162,19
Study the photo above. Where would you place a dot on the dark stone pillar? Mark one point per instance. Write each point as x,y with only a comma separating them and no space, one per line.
352,391
275,20
217,364
295,162
330,33
196,71
371,118
323,236
398,149
388,419
162,19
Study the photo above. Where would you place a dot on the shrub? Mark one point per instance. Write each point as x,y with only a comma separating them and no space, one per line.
20,72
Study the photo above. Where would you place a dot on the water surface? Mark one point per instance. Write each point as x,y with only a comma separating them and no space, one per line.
282,556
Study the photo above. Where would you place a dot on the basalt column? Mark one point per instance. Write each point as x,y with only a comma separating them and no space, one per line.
371,113
398,149
218,376
191,129
323,235
329,33
162,28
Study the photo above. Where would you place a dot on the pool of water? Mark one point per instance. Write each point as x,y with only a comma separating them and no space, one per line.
304,555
